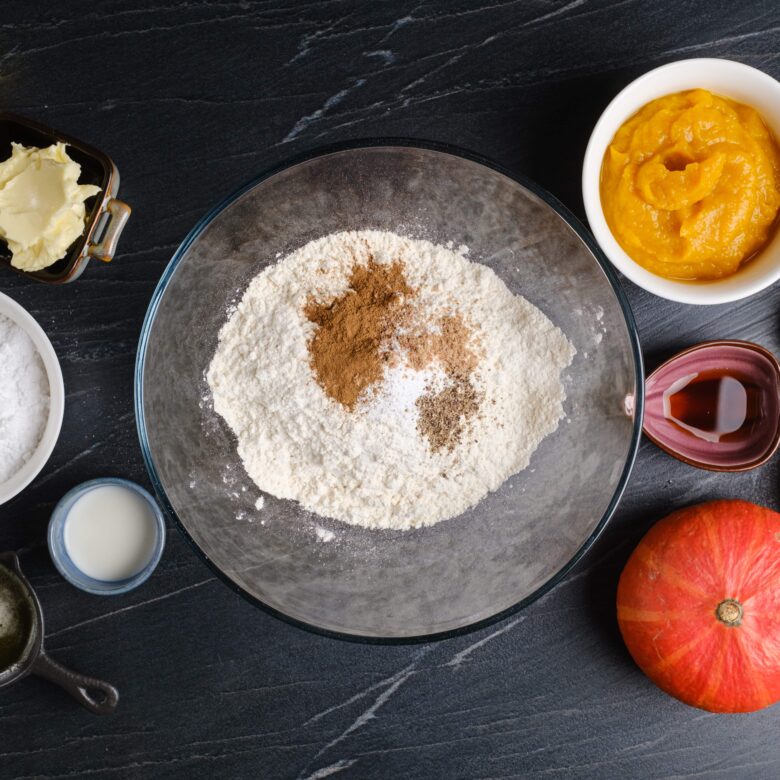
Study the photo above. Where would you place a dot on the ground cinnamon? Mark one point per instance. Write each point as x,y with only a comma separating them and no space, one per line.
371,325
349,349
448,344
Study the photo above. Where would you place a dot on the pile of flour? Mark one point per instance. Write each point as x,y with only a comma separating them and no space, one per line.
370,466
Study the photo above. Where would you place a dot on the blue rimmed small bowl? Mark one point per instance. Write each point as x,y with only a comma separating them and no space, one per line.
65,565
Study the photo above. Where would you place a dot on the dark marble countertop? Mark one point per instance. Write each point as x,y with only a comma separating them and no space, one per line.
191,99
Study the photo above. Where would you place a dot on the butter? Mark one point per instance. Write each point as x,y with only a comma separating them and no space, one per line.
41,204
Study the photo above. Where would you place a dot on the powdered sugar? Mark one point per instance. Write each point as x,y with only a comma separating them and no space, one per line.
24,389
371,467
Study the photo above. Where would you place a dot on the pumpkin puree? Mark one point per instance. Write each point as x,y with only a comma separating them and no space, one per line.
690,185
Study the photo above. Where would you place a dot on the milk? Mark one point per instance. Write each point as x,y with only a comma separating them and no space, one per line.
110,533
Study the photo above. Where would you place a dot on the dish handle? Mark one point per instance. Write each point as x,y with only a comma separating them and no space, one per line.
97,696
11,561
118,214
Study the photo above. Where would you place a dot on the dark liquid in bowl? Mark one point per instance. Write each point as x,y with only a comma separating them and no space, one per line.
718,406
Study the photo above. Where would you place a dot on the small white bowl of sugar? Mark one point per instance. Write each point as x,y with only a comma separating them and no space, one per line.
32,398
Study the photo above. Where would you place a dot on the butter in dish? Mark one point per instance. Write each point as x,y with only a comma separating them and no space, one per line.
105,217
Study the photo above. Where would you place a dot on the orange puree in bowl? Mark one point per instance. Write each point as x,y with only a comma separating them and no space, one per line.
690,185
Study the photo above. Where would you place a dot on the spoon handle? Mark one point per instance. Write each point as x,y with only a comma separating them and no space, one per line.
97,696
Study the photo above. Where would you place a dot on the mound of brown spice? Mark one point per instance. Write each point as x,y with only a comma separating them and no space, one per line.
375,324
349,350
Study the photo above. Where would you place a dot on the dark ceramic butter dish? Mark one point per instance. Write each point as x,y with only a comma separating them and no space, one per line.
106,216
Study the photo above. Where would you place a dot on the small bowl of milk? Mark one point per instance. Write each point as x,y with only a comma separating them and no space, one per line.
106,536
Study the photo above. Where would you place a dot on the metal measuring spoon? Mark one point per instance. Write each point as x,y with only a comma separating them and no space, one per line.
23,653
743,358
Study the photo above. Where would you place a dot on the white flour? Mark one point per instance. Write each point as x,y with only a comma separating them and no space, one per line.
24,390
370,467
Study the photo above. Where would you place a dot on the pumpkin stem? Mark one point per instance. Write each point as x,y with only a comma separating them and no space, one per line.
729,612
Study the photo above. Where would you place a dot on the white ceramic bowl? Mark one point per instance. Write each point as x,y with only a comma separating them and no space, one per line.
11,309
722,77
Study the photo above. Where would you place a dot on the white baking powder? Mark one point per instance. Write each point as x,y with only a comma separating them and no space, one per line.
371,467
24,398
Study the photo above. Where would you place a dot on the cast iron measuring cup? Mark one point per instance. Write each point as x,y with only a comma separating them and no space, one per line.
97,696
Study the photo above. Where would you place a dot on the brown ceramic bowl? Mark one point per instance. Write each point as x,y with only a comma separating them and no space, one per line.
106,216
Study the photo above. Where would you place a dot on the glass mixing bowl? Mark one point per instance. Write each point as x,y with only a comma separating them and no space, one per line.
393,585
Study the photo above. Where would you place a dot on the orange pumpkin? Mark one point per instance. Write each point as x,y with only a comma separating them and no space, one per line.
698,605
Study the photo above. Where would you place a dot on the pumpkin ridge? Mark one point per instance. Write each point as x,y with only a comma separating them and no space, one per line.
650,616
715,678
758,608
760,689
750,559
715,545
762,559
764,569
674,658
669,573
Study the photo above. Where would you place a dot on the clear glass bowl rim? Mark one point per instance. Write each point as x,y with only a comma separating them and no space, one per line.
395,142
